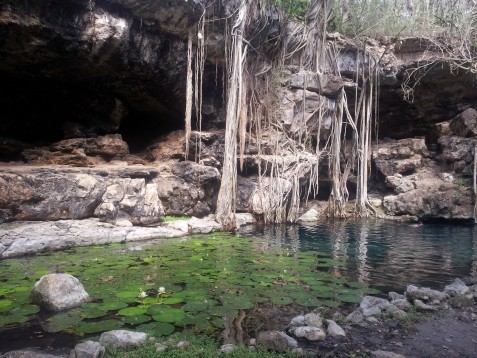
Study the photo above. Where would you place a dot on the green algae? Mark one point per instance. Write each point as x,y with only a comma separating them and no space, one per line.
188,283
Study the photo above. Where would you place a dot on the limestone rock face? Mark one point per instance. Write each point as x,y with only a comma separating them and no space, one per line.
399,184
465,123
458,153
399,156
57,292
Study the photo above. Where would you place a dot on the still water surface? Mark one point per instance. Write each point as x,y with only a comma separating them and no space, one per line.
387,255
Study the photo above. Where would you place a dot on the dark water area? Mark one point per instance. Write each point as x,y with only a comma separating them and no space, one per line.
385,254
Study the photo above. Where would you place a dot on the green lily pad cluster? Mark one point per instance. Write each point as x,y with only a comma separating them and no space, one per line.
178,285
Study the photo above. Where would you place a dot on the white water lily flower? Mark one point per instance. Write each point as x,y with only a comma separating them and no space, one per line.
142,294
161,290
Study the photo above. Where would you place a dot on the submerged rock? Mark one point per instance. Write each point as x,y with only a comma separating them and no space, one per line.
123,339
59,291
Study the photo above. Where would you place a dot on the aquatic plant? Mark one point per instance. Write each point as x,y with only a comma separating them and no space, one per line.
187,285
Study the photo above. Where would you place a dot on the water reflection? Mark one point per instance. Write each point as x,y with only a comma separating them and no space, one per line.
387,255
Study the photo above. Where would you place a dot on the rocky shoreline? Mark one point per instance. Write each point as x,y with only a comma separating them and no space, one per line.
420,323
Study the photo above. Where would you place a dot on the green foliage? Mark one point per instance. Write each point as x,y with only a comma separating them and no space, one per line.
178,285
293,8
169,218
403,18
205,347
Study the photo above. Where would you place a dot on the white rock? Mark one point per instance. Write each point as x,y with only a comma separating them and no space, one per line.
242,219
160,347
385,354
370,301
313,320
402,304
297,321
59,291
88,349
456,288
123,339
395,296
334,330
355,317
203,226
371,311
310,333
311,215
227,348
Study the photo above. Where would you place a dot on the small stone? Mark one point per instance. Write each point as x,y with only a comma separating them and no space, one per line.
370,301
338,317
465,318
298,352
291,342
371,311
355,317
88,349
395,296
385,354
372,319
313,320
423,307
334,330
123,339
160,347
402,304
310,333
252,342
297,321
227,348
183,345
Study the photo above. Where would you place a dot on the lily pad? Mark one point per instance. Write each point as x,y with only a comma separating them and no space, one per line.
5,303
135,320
132,311
113,305
282,300
170,315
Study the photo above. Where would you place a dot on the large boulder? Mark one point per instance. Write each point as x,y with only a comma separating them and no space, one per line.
123,339
465,123
59,291
399,156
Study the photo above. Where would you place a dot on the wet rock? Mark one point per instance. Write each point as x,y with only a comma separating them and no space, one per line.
313,320
59,291
421,306
396,296
297,321
204,225
242,219
355,317
456,288
462,301
385,354
310,333
370,301
123,339
277,341
227,348
424,294
465,123
88,349
334,330
402,304
371,311
311,215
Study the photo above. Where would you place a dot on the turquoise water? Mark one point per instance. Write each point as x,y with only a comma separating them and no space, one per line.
387,255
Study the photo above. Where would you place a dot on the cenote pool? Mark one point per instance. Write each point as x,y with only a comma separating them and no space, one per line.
230,285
